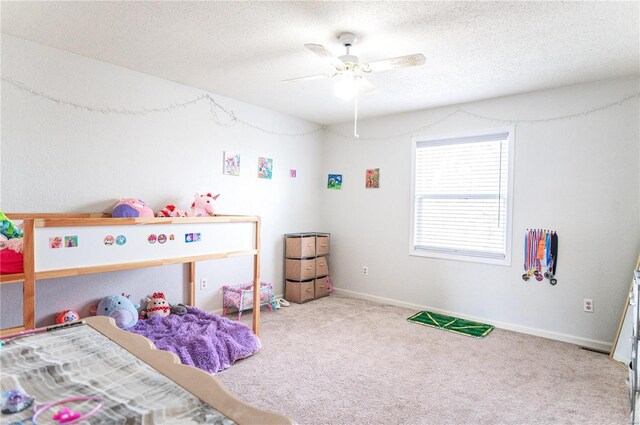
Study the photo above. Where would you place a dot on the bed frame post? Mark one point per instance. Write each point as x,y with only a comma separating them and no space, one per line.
256,283
29,284
192,284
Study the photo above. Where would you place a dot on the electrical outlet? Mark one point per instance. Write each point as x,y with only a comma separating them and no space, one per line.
365,270
588,305
204,284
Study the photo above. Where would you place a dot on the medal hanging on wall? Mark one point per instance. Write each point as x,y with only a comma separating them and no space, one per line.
552,258
540,247
529,243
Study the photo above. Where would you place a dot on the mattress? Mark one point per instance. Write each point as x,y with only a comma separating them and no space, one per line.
81,361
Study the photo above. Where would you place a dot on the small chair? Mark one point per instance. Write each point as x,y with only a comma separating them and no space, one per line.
240,296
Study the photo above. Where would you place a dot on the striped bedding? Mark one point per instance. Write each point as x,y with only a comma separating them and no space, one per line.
82,362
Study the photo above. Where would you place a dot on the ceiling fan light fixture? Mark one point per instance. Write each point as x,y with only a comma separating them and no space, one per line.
347,87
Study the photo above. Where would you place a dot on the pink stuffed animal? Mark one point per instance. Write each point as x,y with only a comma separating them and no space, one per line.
171,211
131,207
15,244
203,205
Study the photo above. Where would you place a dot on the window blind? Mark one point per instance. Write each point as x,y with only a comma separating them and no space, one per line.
461,190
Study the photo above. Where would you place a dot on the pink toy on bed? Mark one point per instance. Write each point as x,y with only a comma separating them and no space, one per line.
171,211
131,208
202,206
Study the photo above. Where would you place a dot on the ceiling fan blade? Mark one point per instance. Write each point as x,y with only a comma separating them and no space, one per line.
309,78
392,63
320,50
366,87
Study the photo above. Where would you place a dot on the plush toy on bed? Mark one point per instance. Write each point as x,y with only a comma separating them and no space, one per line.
179,309
120,308
131,208
171,211
157,305
67,316
15,244
202,206
11,244
8,229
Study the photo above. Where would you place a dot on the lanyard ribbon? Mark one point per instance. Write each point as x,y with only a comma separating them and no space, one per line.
540,248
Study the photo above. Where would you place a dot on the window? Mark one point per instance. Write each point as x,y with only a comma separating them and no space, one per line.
462,197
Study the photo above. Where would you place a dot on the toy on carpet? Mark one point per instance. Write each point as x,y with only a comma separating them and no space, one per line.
240,297
157,305
179,309
67,316
131,208
202,206
120,308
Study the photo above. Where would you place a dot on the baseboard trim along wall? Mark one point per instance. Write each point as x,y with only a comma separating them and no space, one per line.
584,342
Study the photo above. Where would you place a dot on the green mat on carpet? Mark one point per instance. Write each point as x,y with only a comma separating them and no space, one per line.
451,324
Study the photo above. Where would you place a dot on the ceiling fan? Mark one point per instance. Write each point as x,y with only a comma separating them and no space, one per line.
351,71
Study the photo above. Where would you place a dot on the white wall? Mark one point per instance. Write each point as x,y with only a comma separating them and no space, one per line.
59,159
577,176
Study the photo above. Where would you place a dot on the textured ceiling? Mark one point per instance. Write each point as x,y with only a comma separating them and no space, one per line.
474,50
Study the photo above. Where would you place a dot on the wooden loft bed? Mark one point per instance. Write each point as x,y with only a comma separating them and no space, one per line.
40,264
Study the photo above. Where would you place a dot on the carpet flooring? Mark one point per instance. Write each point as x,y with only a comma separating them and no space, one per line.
340,360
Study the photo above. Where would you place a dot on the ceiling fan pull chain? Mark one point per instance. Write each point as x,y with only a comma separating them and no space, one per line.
355,121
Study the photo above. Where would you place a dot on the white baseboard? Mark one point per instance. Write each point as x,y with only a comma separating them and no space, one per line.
577,340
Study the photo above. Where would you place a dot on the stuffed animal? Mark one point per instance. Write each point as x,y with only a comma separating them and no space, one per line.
9,229
67,316
171,211
131,208
15,244
157,305
120,308
203,205
179,309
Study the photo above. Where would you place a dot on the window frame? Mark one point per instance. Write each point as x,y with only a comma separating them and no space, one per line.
450,139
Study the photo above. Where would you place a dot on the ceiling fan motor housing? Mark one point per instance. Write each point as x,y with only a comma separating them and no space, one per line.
348,39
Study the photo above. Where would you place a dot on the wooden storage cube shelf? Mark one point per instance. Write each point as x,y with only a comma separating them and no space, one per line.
299,292
322,268
306,268
322,245
300,246
321,287
300,269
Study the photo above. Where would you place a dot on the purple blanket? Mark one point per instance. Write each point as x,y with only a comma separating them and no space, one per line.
200,339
